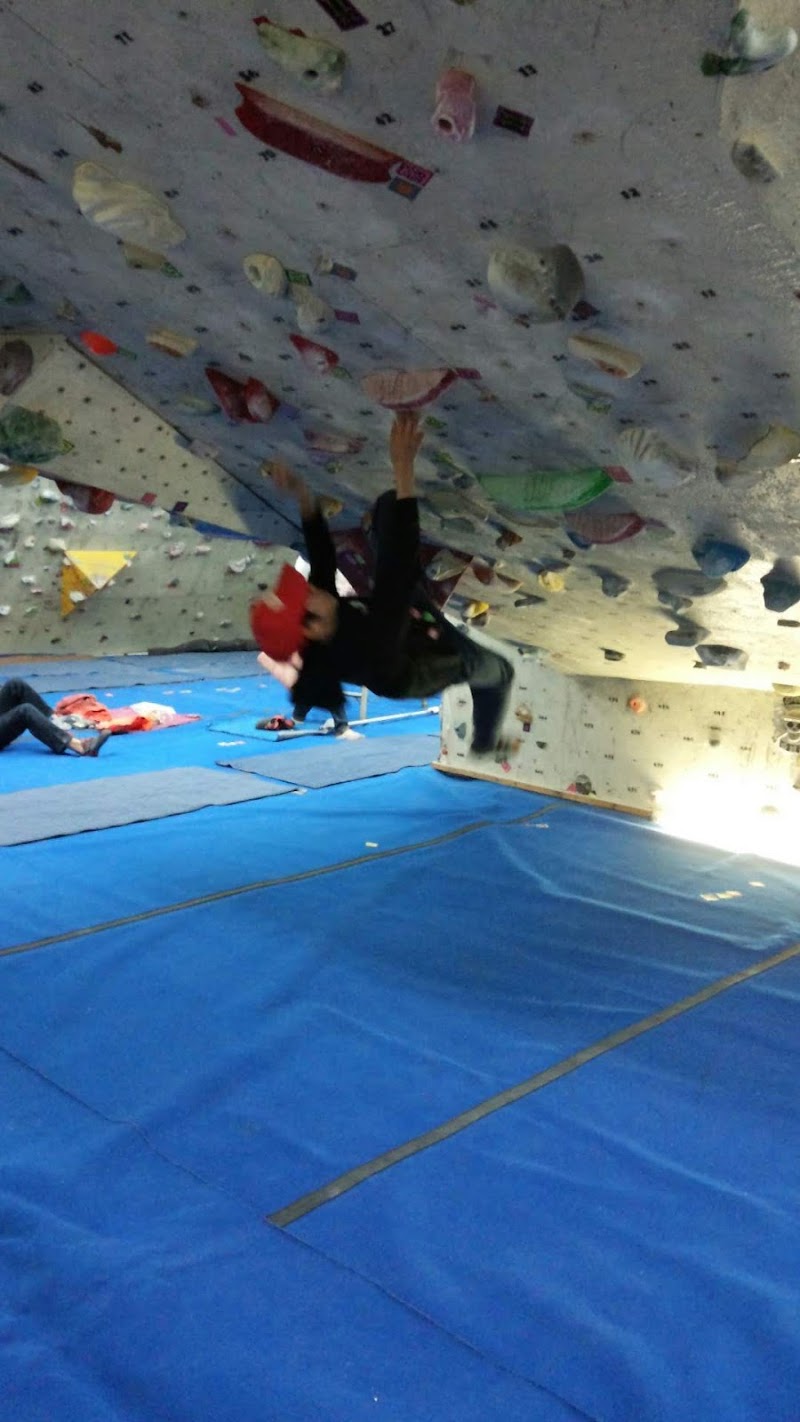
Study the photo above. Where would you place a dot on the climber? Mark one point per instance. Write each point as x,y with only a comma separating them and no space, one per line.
394,642
22,709
320,688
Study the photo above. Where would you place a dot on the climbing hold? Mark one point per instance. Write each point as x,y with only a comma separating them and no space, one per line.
171,343
652,462
85,497
781,588
17,474
13,292
545,489
9,521
779,446
176,550
312,140
265,273
454,115
231,395
542,283
611,359
406,389
637,705
29,437
191,404
715,557
753,48
595,400
714,655
330,506
476,609
16,364
445,565
333,442
612,584
673,602
260,403
320,360
507,538
686,582
313,314
98,344
129,212
318,63
753,162
685,634
482,572
141,259
550,581
514,584
787,622
613,656
585,527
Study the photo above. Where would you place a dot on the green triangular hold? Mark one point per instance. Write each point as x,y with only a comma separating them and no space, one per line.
546,489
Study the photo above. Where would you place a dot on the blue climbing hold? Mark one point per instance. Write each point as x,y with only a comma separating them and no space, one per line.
714,655
781,590
715,557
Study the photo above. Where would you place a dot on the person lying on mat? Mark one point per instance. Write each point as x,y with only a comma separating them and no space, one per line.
320,688
382,642
22,709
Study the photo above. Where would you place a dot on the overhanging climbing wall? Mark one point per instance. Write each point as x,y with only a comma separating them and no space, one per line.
599,280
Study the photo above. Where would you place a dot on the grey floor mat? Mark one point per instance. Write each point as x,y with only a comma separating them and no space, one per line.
48,813
332,763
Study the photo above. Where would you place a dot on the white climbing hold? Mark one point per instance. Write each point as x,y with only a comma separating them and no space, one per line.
56,545
652,462
129,212
606,356
542,283
238,565
759,47
779,446
265,273
77,596
5,609
314,60
28,579
176,550
8,521
312,313
11,559
201,549
30,541
171,343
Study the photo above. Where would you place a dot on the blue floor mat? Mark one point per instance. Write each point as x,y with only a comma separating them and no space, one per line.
221,849
336,761
73,675
130,1292
33,815
628,1238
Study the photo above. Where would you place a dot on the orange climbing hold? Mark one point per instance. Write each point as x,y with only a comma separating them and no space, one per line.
637,705
98,344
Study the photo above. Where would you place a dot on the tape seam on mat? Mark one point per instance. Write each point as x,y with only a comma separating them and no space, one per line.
219,895
306,1204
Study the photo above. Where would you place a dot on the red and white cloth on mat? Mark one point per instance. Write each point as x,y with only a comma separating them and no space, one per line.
123,718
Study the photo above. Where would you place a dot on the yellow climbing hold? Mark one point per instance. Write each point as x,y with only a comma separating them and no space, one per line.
551,582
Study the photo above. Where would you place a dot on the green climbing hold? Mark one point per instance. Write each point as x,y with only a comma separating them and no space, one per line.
29,437
546,489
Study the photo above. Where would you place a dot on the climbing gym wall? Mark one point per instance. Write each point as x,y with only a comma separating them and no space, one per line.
566,233
645,746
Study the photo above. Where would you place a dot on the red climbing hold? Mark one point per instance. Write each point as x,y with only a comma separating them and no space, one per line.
98,344
603,527
303,136
261,404
231,395
318,359
86,498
